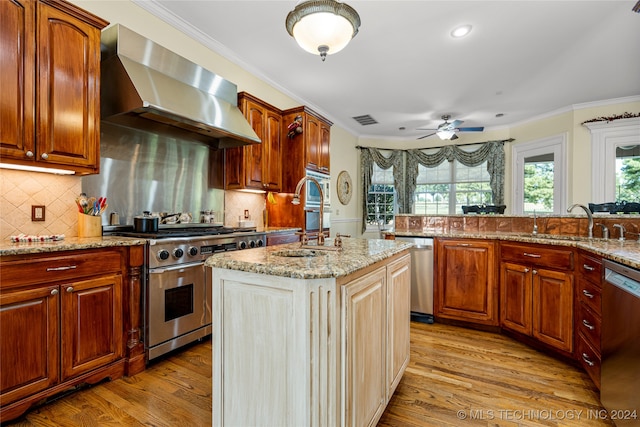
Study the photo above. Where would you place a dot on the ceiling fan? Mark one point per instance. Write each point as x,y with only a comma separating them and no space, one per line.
447,130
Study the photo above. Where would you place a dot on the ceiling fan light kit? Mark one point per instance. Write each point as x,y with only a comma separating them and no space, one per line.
323,26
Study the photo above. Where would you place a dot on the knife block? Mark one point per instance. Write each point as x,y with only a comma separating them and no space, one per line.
89,225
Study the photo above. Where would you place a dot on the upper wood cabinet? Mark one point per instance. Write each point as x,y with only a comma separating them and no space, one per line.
465,287
256,166
306,150
50,76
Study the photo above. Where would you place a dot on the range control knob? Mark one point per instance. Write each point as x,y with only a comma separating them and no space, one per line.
163,255
177,253
242,245
193,251
252,244
259,243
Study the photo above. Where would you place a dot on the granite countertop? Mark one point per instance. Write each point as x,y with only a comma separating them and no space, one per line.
626,252
68,244
355,255
275,230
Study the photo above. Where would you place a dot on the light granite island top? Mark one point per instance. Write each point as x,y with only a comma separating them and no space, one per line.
309,340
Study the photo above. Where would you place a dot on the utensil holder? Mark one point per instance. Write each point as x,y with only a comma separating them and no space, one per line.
89,225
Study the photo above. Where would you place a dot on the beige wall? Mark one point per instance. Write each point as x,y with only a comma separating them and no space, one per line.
344,155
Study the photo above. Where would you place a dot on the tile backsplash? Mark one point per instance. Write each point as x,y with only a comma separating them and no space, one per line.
20,190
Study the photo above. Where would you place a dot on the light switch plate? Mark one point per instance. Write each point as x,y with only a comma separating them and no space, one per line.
37,212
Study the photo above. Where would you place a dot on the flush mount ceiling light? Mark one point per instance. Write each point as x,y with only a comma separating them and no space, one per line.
461,31
323,26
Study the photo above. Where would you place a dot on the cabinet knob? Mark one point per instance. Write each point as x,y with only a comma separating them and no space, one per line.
54,292
526,270
586,359
29,154
588,325
70,289
44,156
535,271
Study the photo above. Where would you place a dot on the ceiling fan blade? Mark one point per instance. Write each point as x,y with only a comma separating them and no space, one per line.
426,129
454,124
471,129
426,136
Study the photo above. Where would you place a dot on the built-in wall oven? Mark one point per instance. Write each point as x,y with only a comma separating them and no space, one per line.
314,198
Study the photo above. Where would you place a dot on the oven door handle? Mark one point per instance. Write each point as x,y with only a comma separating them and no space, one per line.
174,267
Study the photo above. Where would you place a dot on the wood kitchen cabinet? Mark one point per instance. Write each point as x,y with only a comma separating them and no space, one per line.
65,319
306,150
588,314
50,76
536,293
257,166
466,286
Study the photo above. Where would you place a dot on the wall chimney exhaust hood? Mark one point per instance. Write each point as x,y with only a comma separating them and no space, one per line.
145,86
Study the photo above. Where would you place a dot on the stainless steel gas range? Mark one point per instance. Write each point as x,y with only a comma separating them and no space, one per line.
177,294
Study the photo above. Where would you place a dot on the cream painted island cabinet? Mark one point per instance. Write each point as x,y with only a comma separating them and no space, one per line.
308,337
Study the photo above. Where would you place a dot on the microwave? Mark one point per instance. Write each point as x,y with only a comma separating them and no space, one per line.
312,193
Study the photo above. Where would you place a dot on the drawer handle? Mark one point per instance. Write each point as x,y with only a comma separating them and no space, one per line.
587,294
532,255
586,359
463,244
66,267
588,267
588,325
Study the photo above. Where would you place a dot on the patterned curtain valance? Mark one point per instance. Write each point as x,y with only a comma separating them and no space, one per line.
367,157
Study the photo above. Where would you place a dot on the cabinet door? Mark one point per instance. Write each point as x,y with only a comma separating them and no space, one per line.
398,324
29,342
271,162
312,137
515,298
553,308
92,333
325,137
68,100
466,286
255,114
17,74
364,348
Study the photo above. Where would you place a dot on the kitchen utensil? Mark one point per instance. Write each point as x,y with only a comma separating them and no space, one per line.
145,223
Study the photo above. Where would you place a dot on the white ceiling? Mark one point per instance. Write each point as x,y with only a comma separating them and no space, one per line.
522,59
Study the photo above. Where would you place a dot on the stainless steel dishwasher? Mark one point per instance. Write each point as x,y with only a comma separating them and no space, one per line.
421,278
620,374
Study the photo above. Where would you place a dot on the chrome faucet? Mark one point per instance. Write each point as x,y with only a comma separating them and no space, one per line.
622,230
589,215
296,201
535,223
605,230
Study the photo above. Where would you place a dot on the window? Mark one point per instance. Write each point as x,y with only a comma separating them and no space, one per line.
628,174
444,189
540,176
606,138
381,199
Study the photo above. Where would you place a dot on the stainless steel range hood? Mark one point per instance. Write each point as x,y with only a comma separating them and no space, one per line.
145,86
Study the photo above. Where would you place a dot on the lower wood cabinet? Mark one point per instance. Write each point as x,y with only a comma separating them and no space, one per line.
465,285
535,300
70,327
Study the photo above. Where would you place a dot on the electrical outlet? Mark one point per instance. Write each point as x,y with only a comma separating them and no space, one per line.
37,212
246,214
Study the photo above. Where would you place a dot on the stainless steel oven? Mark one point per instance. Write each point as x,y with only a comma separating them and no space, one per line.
177,289
313,197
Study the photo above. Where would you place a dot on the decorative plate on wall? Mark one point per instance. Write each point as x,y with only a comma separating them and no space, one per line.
345,187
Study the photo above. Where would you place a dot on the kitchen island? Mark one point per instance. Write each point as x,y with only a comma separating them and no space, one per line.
309,337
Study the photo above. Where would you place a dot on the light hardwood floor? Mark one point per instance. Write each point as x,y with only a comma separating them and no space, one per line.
456,377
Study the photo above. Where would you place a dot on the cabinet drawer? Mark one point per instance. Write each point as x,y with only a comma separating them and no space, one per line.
589,359
590,268
588,323
536,255
590,295
33,270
